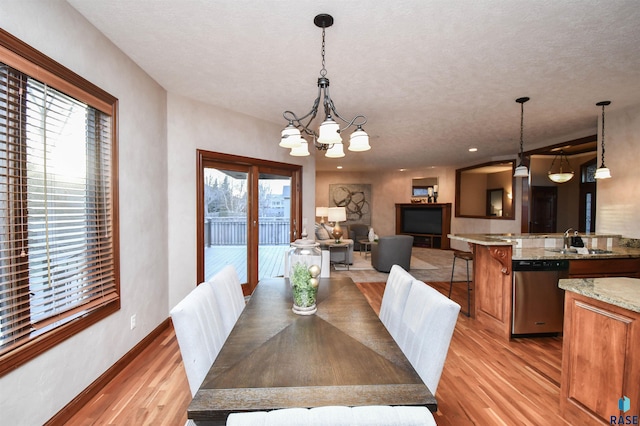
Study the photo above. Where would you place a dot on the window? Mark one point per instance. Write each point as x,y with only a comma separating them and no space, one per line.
58,204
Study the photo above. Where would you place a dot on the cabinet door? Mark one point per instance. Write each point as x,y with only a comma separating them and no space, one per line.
599,359
598,341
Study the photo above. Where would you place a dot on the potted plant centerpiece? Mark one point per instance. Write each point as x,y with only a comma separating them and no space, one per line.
304,260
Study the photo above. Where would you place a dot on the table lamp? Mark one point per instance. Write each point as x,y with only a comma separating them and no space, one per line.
321,212
337,215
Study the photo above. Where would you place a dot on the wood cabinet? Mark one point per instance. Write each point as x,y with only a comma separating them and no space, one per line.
600,268
429,224
492,278
600,362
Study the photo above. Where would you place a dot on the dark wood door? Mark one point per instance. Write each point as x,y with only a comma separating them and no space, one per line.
544,209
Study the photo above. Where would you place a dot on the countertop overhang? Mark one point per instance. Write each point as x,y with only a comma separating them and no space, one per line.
617,291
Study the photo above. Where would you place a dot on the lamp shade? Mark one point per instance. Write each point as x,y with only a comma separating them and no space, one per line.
321,211
301,150
359,140
603,173
336,151
337,214
290,137
521,171
329,132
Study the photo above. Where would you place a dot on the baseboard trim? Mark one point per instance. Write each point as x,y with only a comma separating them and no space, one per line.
64,415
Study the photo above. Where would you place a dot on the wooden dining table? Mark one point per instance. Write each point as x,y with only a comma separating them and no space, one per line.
273,358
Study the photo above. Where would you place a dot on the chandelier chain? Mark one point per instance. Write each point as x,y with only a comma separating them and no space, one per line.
602,134
323,71
521,131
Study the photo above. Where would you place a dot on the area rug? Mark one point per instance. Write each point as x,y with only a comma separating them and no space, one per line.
362,264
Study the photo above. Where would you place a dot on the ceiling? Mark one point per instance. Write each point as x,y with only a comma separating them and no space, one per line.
433,77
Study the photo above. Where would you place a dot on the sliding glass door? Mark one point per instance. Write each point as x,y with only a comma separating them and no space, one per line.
226,209
248,213
275,223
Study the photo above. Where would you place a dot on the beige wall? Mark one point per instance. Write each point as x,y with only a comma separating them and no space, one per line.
618,204
34,392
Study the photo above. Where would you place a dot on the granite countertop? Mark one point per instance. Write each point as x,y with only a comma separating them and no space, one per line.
540,253
546,246
486,239
621,292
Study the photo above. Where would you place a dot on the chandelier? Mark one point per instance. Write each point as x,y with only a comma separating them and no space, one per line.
562,174
603,171
327,137
521,170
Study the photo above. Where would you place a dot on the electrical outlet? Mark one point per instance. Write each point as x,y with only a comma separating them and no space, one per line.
133,321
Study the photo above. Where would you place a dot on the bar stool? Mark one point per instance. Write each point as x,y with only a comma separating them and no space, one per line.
466,256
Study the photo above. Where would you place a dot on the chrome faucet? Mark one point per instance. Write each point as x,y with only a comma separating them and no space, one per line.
567,238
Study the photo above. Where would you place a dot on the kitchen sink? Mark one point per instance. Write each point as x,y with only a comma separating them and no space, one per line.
574,251
563,251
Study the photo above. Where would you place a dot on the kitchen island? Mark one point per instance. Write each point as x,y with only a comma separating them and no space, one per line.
600,362
493,275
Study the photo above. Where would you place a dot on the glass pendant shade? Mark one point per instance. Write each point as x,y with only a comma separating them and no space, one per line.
603,173
290,137
560,177
359,140
329,132
521,171
302,150
336,151
559,174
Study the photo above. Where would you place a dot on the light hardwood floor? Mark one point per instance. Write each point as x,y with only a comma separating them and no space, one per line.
486,380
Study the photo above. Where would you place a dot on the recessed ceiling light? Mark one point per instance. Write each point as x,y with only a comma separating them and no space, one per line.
338,167
403,170
473,149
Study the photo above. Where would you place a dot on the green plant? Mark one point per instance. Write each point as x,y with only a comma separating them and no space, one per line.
304,293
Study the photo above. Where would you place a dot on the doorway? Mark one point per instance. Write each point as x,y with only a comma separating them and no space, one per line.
248,212
587,201
544,209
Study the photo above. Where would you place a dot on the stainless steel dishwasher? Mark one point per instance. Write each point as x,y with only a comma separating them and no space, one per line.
538,302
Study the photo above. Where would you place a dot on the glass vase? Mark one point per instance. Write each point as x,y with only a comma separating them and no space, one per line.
305,259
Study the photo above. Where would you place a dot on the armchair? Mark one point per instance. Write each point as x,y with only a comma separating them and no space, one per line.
392,250
357,232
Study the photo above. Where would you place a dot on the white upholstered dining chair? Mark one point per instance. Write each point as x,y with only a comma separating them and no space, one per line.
229,297
394,299
428,321
374,415
200,333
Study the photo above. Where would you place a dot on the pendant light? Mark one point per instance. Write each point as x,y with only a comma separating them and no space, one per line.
603,172
561,174
521,170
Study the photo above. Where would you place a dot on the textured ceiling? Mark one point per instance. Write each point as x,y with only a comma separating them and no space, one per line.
433,77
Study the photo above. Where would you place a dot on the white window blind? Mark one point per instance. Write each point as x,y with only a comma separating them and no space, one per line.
56,225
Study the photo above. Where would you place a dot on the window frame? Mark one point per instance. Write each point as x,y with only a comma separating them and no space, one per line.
28,60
